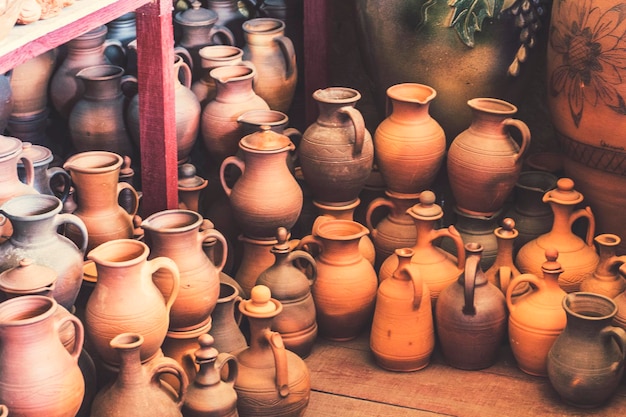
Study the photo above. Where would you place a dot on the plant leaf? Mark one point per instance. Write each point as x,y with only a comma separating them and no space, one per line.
469,15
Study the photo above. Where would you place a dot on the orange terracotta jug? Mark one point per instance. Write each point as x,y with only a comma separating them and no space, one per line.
503,269
606,279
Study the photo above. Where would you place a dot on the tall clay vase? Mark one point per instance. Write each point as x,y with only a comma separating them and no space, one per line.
33,359
606,279
586,362
178,235
272,380
30,83
274,57
438,267
345,288
503,269
410,144
95,176
211,57
292,287
208,395
234,96
125,299
137,390
258,208
36,220
96,121
403,299
484,162
337,151
577,256
225,328
536,318
471,317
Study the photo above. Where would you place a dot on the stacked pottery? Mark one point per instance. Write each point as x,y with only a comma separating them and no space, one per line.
45,177
211,57
606,279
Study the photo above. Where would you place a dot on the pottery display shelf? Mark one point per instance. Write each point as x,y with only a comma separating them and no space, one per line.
155,76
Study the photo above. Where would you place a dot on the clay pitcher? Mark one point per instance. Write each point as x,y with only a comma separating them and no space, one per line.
503,269
211,57
125,299
471,317
272,380
256,257
30,82
586,362
225,329
33,359
274,57
95,175
403,299
577,256
137,389
484,162
345,288
410,144
232,14
45,176
177,235
606,279
258,209
337,151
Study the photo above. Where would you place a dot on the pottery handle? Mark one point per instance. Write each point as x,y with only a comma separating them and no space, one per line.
29,170
222,33
525,131
186,74
58,172
185,55
591,227
298,255
212,233
503,277
161,262
114,43
4,410
126,186
472,266
224,358
280,361
619,335
188,362
309,240
289,54
359,127
230,160
529,278
165,365
415,277
373,205
79,333
68,218
453,234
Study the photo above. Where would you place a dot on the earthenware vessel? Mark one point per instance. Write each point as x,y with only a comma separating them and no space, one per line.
226,318
606,279
30,82
6,100
211,57
190,186
256,257
232,14
11,154
44,175
503,269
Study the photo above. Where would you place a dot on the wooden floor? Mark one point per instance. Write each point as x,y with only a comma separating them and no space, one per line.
346,382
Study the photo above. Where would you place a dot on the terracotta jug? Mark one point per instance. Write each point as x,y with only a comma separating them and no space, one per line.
45,176
536,318
11,154
232,14
29,332
125,299
124,29
403,299
345,288
30,82
394,231
36,220
471,336
484,162
272,380
208,395
258,209
233,97
177,235
274,57
577,256
337,151
256,257
96,121
211,57
606,279
290,280
586,362
95,176
83,51
410,144
503,269
438,267
180,346
137,389
225,329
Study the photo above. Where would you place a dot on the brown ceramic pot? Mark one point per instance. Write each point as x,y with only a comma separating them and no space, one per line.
30,82
256,257
606,279
503,269
45,176
211,57
225,329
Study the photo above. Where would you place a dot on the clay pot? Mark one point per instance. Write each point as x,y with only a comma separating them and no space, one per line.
272,380
29,331
336,152
403,299
190,186
11,153
256,257
36,220
95,176
178,235
586,362
231,14
44,175
211,57
32,128
180,346
30,82
577,256
471,335
606,280
225,329
410,144
503,269
290,280
123,29
137,389
345,288
537,318
125,299
484,162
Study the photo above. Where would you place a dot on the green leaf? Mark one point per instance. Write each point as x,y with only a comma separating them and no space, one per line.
469,15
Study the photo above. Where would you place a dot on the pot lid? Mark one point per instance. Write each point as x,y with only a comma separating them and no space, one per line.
551,265
507,230
90,273
266,140
564,193
187,177
196,16
282,235
9,145
27,278
261,304
40,155
426,209
206,352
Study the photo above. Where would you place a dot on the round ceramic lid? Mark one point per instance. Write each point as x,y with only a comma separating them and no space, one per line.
187,177
266,140
426,209
196,16
261,304
9,145
564,193
40,155
27,277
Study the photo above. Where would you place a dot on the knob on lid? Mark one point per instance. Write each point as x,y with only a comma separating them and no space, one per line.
27,278
564,193
426,209
261,304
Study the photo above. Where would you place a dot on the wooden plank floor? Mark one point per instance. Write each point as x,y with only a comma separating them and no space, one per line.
346,382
